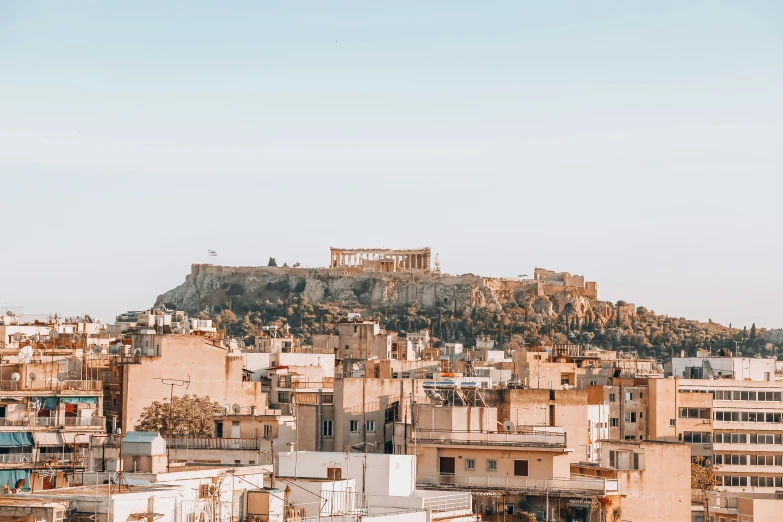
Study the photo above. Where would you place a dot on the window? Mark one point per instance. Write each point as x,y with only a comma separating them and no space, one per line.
327,428
370,426
267,431
694,413
630,416
354,425
347,347
697,437
283,397
612,458
509,509
611,397
492,465
641,395
614,422
328,399
672,422
520,468
628,396
470,464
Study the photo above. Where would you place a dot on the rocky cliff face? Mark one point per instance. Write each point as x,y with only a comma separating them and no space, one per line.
242,288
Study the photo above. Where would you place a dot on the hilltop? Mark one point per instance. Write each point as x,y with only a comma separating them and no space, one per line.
551,308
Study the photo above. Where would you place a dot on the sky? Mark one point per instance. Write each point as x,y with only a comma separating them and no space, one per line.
636,143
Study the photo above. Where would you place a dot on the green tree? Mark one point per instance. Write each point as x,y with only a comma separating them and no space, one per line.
188,415
272,262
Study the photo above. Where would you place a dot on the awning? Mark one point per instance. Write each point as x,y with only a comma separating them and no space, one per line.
79,400
47,438
15,439
70,437
10,477
50,403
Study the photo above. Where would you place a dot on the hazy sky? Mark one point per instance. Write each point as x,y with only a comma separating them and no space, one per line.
639,144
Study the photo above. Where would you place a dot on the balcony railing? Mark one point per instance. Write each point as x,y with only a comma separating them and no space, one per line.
213,443
327,382
532,438
54,459
52,385
575,486
84,421
54,421
449,503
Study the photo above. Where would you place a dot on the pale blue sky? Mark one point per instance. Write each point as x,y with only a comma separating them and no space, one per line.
636,143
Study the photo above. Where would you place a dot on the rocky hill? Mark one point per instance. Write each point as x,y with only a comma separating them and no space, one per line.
559,308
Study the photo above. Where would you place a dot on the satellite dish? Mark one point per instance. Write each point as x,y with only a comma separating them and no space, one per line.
18,336
137,352
96,348
54,334
33,376
36,338
509,426
236,408
15,377
25,355
114,349
226,409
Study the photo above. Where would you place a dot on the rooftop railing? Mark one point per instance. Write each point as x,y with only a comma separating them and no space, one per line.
574,486
213,443
532,438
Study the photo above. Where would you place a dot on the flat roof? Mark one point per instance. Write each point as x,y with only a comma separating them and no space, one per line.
26,501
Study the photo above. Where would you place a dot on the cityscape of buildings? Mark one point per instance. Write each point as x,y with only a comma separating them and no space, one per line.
365,423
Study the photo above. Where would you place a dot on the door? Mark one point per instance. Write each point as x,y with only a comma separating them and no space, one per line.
520,468
447,465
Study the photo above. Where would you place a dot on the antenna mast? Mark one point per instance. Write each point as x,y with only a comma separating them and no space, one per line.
172,383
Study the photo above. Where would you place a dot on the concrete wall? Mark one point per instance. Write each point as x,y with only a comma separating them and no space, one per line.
662,491
211,371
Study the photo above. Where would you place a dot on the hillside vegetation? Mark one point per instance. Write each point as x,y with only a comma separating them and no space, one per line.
453,308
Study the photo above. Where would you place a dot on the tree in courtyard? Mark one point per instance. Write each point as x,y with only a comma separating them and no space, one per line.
186,415
704,480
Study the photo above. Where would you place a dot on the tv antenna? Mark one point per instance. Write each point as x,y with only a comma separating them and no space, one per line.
171,383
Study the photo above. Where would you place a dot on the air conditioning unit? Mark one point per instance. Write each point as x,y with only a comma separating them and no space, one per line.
32,406
206,490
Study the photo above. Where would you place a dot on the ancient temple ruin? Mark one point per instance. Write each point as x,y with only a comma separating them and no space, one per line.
380,259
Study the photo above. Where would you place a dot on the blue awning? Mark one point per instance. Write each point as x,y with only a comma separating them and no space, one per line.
79,400
15,439
9,477
50,403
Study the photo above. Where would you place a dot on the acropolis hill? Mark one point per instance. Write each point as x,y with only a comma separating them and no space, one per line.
404,290
374,278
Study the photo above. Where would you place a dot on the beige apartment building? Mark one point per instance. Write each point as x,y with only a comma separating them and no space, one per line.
509,471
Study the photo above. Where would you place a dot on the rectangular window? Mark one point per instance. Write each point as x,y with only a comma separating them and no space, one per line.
354,425
520,468
370,426
267,431
492,465
470,464
672,422
614,422
629,396
327,428
630,416
328,399
612,458
283,398
611,397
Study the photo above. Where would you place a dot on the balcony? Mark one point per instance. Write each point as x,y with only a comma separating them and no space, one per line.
64,460
299,384
554,486
98,422
51,385
213,443
521,438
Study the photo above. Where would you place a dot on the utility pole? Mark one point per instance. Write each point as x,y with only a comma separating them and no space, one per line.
172,383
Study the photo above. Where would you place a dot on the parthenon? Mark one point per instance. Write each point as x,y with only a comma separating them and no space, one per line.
380,259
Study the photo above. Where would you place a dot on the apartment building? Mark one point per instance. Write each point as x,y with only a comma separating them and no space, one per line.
626,401
509,469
